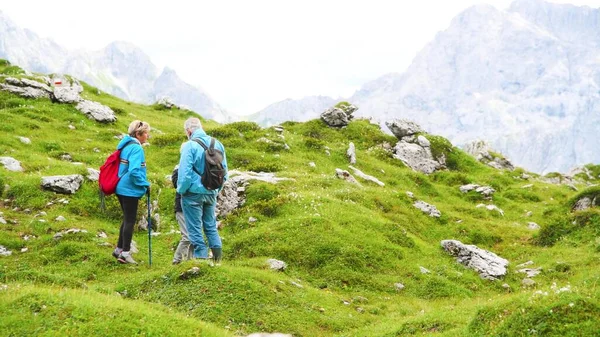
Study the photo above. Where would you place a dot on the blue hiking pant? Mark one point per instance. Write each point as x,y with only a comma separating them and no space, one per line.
199,212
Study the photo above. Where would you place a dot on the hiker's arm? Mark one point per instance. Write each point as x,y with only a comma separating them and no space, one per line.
184,176
174,177
137,172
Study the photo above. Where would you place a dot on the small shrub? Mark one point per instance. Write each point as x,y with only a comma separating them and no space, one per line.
261,191
422,328
168,140
437,287
314,144
51,146
553,231
244,127
263,167
562,267
481,238
521,194
451,178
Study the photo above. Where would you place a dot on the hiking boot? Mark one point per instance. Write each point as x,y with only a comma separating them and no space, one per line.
176,262
117,252
217,256
125,257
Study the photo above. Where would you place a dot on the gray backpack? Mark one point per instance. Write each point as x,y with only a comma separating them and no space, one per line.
213,176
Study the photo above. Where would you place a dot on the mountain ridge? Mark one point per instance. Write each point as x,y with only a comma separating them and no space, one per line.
120,68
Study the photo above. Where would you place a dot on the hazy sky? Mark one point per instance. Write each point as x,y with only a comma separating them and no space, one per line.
249,54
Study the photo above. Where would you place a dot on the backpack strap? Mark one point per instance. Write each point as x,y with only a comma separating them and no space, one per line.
205,149
125,161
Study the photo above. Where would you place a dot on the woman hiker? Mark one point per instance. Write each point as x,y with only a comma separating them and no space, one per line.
132,186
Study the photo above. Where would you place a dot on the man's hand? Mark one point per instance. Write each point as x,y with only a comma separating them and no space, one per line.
148,190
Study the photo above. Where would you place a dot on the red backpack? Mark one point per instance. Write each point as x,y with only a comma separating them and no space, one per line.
109,172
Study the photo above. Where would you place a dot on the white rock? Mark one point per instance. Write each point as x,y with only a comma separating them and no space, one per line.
276,264
11,164
487,264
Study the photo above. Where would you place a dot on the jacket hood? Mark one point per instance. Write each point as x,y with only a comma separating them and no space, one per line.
126,140
198,133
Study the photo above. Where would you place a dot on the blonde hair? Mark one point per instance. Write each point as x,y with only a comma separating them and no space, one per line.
138,127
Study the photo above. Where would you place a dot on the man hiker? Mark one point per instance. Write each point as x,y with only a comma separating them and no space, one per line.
197,200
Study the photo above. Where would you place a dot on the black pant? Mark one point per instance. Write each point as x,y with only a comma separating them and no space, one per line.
129,206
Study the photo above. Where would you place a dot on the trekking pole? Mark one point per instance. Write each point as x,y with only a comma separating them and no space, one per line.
149,231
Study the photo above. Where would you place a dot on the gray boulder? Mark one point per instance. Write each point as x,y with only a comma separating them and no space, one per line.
96,111
486,191
167,102
4,251
428,209
345,175
585,203
276,264
67,95
351,153
338,116
68,184
402,128
93,174
489,265
11,164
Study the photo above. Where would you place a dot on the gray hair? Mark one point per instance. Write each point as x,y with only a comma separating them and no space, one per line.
192,124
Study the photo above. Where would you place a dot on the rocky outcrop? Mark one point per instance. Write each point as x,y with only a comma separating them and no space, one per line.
26,88
483,153
402,128
417,155
489,265
68,184
11,164
414,151
231,197
96,111
586,202
339,115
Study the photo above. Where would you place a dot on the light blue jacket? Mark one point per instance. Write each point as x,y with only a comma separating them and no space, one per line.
192,154
133,181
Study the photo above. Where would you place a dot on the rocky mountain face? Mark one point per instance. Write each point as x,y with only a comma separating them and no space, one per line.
120,69
509,78
527,80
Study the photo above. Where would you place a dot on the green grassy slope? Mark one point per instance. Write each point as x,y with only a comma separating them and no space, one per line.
346,246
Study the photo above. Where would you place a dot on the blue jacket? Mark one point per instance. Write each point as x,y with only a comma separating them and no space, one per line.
192,154
133,181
